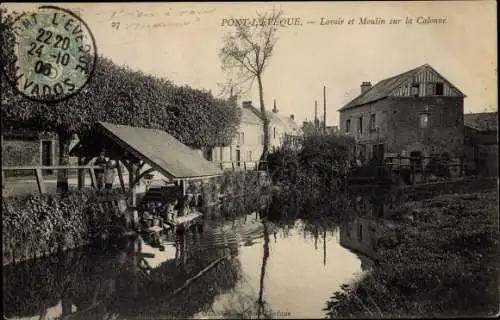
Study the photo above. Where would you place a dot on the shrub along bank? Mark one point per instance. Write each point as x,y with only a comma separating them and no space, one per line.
37,225
242,193
308,180
443,262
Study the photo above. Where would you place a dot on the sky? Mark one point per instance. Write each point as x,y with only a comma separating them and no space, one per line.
184,46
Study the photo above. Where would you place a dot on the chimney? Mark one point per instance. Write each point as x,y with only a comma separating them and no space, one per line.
274,108
292,117
233,99
365,86
247,104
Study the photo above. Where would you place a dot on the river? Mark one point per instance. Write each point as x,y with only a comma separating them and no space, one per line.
250,267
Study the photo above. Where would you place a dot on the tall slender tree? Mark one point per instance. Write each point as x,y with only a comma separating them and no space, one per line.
245,55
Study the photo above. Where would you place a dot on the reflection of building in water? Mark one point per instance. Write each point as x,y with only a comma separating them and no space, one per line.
358,233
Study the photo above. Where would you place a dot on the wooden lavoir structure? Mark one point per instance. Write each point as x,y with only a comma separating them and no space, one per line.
135,147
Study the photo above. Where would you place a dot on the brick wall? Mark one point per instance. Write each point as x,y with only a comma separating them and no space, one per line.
26,151
397,120
20,152
445,134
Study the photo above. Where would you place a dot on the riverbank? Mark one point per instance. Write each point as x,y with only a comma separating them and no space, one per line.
39,225
441,259
42,225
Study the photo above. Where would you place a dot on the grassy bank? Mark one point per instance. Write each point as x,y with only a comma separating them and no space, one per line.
443,261
37,225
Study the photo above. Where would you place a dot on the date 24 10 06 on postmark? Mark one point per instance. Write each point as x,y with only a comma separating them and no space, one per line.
54,54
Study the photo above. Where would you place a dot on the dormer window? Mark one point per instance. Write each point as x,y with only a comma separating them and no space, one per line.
434,89
439,89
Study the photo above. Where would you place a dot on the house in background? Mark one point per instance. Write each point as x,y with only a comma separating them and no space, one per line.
417,113
30,148
283,130
481,142
247,143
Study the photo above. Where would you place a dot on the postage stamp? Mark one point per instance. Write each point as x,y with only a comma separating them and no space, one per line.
54,54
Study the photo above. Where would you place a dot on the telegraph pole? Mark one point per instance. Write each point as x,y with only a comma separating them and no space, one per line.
324,109
316,125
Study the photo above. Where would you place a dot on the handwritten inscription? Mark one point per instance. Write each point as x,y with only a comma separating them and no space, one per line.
152,20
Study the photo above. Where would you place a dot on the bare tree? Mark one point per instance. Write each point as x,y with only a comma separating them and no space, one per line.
245,55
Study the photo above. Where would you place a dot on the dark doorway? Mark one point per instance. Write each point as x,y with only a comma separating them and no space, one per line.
381,151
378,153
47,155
238,157
416,160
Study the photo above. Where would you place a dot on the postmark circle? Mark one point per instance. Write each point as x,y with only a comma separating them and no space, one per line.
54,54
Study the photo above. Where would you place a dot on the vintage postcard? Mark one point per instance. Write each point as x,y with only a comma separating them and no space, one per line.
249,160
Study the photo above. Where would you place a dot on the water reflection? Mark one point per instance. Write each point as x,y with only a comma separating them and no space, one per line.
249,267
369,210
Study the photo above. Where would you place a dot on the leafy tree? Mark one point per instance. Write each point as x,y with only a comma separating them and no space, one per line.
245,55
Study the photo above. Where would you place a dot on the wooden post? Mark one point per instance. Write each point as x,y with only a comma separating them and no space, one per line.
81,173
232,163
39,181
222,166
413,174
93,179
245,165
134,288
183,184
132,188
3,173
120,175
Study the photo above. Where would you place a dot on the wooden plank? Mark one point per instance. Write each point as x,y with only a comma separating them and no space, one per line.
49,167
199,274
154,229
39,181
188,218
196,178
